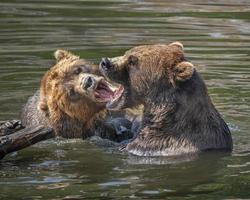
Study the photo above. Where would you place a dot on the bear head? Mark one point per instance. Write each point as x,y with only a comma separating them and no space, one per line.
145,71
73,87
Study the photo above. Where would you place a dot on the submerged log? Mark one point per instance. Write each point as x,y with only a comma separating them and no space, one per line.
24,138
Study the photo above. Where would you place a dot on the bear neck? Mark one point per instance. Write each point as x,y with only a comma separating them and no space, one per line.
181,119
79,125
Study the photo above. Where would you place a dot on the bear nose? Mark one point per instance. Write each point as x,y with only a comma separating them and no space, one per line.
105,64
88,83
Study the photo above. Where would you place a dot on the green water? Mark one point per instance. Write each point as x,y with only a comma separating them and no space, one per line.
216,36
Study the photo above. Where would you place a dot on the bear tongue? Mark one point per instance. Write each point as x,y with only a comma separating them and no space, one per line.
105,94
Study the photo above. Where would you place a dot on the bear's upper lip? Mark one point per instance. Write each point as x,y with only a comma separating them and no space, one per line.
106,92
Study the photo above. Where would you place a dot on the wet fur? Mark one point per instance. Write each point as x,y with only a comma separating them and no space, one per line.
181,120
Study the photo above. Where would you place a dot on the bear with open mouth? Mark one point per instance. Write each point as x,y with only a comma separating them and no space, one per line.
179,116
72,99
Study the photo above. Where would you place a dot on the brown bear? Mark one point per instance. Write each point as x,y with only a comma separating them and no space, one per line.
179,116
72,100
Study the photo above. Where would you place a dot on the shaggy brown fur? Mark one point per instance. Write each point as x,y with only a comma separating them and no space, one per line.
179,116
65,103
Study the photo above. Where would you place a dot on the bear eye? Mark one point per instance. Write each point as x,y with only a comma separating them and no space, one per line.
78,70
132,60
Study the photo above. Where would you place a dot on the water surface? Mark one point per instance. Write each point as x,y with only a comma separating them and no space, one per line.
216,37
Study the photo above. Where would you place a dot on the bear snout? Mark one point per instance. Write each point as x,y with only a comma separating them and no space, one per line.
88,82
105,64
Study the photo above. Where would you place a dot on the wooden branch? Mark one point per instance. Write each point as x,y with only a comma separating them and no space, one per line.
24,138
9,127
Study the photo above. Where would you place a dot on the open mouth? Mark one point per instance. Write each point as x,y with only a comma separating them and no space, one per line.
105,92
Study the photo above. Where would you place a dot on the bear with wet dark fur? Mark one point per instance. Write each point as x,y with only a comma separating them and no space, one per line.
72,100
179,116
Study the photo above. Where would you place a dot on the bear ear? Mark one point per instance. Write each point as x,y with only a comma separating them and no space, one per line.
184,71
63,54
178,44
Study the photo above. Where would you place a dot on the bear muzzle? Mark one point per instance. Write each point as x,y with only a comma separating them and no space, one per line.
100,89
105,64
88,82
